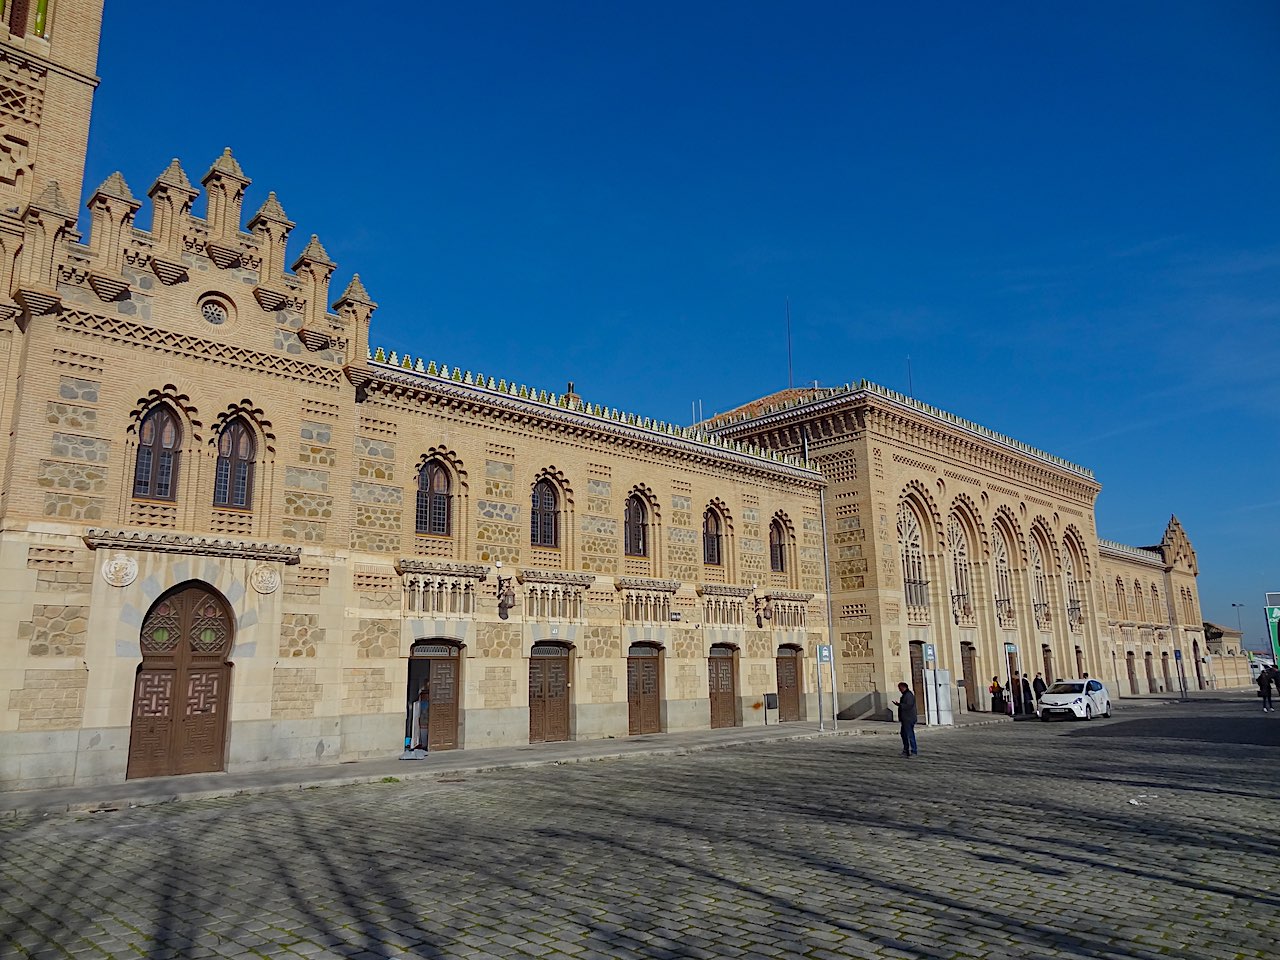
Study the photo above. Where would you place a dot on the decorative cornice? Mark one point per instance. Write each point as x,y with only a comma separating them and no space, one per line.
387,377
1122,551
867,392
795,595
152,541
563,577
723,590
412,565
647,583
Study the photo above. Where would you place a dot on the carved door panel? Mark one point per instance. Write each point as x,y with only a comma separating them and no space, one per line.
1131,667
442,714
537,700
723,688
788,688
917,679
1048,665
181,695
643,695
549,694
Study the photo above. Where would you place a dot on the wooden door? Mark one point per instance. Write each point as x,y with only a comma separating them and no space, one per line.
1151,674
181,695
1195,653
1079,662
1131,665
973,686
723,687
442,707
788,685
644,698
1048,664
1168,680
549,694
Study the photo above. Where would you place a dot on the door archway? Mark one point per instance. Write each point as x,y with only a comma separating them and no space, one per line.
1195,653
972,685
549,692
789,683
181,694
434,676
722,684
644,689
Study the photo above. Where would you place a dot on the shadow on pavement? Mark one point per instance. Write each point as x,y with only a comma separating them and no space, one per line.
1262,730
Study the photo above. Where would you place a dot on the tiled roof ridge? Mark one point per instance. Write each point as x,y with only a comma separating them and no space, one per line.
696,434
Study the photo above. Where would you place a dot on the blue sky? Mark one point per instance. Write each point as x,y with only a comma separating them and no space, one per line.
1066,214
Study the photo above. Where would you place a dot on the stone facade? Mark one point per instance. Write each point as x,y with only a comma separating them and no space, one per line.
946,535
217,511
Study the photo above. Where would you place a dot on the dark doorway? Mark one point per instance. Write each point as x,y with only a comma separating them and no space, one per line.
789,686
972,685
182,691
722,681
549,693
917,673
433,695
1048,663
1131,667
644,690
1151,673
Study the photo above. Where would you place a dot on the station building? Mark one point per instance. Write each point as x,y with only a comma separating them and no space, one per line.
235,534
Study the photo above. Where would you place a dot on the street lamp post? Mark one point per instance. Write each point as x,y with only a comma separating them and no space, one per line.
1240,624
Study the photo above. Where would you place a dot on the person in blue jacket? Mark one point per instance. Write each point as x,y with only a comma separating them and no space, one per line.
906,704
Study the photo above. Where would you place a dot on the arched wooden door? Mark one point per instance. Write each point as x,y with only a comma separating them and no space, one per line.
1151,673
1048,663
788,684
644,691
1131,667
182,691
433,694
722,681
549,693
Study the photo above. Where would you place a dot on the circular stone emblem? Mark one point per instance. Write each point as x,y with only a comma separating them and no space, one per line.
265,579
120,570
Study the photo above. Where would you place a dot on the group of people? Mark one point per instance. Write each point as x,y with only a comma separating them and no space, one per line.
1268,678
1019,697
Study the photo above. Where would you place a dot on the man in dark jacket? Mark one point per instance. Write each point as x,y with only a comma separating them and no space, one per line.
906,704
1265,679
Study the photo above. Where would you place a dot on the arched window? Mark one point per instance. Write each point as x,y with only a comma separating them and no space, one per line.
712,534
434,513
1138,600
544,516
961,571
155,471
1039,585
914,585
1155,603
777,546
1075,614
1122,605
1003,576
635,527
233,477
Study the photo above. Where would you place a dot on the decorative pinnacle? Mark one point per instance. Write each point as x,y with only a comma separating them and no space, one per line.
174,176
314,253
355,293
228,166
115,187
271,210
50,200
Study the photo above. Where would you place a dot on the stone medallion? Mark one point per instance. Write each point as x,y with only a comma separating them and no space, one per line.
265,579
120,570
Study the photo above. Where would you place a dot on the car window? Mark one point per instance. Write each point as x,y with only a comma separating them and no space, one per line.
1094,686
1061,687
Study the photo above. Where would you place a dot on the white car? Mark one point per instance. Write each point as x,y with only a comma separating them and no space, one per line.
1085,699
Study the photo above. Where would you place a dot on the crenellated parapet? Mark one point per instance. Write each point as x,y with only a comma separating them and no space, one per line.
40,249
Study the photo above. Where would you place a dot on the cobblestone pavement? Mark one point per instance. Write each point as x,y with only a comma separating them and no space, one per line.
1136,837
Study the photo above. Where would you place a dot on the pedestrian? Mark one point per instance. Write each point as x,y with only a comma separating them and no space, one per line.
1015,693
1264,689
1028,698
906,704
1039,686
997,695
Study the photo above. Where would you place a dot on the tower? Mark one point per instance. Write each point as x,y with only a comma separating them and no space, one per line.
48,58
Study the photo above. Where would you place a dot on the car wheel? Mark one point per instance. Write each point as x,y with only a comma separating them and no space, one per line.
1088,712
1107,713
1044,718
